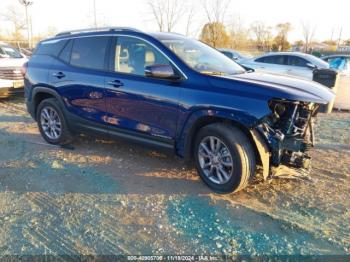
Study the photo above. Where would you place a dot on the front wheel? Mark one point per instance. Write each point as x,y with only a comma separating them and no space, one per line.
225,158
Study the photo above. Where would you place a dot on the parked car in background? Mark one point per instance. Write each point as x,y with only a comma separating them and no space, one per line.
288,63
176,93
234,55
26,52
339,62
11,77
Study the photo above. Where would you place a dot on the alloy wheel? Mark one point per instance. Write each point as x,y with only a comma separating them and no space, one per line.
215,160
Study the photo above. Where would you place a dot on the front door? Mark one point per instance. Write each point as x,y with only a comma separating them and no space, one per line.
297,66
136,103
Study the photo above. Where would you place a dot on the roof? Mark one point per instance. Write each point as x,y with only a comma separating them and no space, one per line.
94,30
110,30
167,36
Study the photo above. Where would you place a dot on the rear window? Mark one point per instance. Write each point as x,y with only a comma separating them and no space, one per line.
52,48
89,52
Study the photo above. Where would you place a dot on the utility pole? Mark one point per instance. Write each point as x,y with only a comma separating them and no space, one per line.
26,4
95,15
339,39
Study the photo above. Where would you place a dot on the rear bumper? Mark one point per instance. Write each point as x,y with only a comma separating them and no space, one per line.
30,108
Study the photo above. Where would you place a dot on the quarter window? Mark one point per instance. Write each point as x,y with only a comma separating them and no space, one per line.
66,52
132,55
89,52
52,48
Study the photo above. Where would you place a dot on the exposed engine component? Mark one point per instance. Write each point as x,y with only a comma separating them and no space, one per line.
289,132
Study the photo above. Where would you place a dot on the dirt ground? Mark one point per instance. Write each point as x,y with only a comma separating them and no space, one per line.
108,197
342,100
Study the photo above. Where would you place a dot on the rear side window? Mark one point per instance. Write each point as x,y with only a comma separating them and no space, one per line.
277,59
52,48
89,52
296,61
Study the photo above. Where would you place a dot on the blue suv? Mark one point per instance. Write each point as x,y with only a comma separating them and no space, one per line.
175,93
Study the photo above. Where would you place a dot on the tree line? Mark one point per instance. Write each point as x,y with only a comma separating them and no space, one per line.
208,20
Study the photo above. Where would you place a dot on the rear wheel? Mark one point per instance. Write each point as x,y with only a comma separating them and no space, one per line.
52,124
225,158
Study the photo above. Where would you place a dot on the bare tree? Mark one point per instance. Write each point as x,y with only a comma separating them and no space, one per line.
239,34
262,34
16,19
308,31
214,28
216,10
190,18
281,40
166,13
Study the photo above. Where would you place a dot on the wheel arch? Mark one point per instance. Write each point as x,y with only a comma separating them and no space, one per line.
202,118
238,119
39,94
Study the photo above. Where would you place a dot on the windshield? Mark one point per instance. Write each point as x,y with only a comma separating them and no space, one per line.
7,51
202,57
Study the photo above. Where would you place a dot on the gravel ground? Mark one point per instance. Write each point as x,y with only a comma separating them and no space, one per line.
342,100
107,197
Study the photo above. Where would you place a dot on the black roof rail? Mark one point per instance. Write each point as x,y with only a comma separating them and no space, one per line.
98,29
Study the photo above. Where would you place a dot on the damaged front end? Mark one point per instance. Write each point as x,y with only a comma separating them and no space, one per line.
288,131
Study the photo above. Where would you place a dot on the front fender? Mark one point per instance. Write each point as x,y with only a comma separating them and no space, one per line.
202,117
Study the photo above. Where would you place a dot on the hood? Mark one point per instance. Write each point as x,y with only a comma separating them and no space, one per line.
286,87
12,62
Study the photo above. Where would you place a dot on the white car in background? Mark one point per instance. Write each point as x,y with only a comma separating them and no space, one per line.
11,78
287,63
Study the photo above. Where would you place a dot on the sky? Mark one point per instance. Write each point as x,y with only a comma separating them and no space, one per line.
327,16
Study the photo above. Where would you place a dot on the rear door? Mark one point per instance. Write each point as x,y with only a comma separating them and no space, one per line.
79,77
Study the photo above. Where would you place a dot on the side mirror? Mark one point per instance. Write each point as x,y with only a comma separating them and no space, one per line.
235,58
311,66
161,71
4,56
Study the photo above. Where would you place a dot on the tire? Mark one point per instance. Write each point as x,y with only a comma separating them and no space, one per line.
235,158
50,107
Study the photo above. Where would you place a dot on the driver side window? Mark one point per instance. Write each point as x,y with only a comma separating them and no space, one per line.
132,55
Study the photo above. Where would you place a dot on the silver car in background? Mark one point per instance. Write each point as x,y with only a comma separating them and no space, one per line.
234,55
286,63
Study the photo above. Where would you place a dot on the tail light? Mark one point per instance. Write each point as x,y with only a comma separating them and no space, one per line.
24,69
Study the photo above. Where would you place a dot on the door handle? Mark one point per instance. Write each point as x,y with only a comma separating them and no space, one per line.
115,83
59,75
